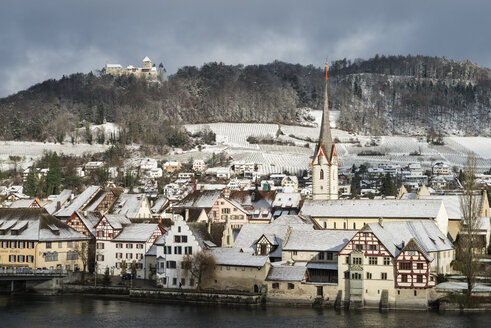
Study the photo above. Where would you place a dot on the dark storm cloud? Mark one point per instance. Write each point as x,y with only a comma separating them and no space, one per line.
46,39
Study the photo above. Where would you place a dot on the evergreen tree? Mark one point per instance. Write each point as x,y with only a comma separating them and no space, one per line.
388,186
31,184
53,178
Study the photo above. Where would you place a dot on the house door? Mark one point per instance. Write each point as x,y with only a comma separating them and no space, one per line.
256,289
320,291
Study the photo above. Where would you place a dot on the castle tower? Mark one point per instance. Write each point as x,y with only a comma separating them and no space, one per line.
147,63
325,163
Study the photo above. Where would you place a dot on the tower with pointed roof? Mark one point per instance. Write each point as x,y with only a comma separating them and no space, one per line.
325,162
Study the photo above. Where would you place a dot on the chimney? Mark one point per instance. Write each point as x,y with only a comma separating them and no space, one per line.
71,199
58,206
186,215
381,221
403,244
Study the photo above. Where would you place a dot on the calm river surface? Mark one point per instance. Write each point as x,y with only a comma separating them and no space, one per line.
80,311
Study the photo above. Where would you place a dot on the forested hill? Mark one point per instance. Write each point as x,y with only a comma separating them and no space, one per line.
395,94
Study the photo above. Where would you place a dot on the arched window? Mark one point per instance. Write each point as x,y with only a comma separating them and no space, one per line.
321,175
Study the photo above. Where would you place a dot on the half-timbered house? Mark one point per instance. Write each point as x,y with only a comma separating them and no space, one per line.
393,262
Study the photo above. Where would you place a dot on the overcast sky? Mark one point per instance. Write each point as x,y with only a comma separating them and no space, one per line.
50,38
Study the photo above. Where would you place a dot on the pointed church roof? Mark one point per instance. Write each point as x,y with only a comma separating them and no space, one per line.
146,59
325,139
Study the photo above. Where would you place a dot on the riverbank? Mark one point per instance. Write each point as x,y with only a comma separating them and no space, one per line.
239,298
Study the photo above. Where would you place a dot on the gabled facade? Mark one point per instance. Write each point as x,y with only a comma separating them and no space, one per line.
120,243
224,210
180,240
133,206
393,262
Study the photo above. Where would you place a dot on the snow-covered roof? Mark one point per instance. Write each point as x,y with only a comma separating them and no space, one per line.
318,240
23,203
89,219
114,66
152,251
158,204
34,224
62,198
129,204
393,235
287,199
117,221
452,204
323,265
136,232
146,59
96,201
287,273
234,257
204,199
250,233
292,219
372,208
80,201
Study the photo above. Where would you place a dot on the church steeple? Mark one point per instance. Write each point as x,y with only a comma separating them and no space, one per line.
325,162
325,139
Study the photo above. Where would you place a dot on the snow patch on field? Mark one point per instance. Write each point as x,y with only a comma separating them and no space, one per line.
29,149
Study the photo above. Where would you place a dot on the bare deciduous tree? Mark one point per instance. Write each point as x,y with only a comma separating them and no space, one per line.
468,243
200,265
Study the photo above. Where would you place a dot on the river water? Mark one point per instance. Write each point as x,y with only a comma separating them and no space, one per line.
80,311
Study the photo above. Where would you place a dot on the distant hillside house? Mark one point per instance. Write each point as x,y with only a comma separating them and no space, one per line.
147,71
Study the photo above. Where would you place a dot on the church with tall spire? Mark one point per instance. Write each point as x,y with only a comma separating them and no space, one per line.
325,162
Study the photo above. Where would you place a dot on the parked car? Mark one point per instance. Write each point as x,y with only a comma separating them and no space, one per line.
127,276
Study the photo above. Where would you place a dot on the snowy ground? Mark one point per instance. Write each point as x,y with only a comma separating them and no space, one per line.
30,151
232,138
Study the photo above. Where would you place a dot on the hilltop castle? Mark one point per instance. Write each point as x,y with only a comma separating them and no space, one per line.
325,163
147,71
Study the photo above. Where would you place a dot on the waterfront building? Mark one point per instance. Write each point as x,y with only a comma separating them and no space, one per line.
393,262
32,238
120,244
181,239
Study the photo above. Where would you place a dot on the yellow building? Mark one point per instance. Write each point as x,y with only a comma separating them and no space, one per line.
30,237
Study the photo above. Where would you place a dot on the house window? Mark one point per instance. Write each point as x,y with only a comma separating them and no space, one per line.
275,285
291,286
321,256
386,260
404,278
369,275
100,245
321,175
13,244
191,282
177,239
354,225
12,258
225,210
72,256
119,245
188,250
69,244
384,276
171,264
373,260
30,258
129,245
174,281
344,225
119,255
178,229
419,266
183,282
60,244
357,260
295,252
356,276
184,239
346,274
419,278
129,255
20,258
415,293
21,244
334,225
177,250
241,217
405,266
5,244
